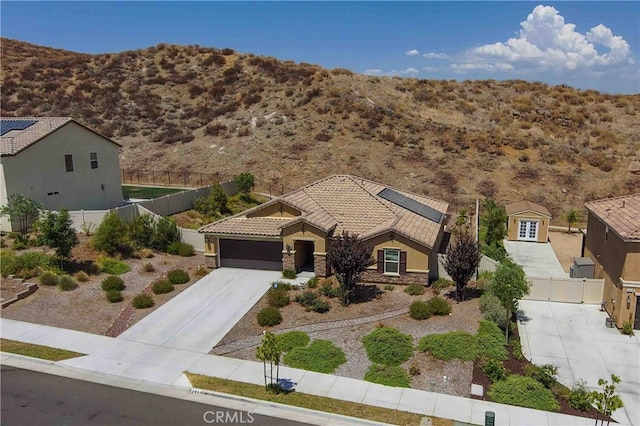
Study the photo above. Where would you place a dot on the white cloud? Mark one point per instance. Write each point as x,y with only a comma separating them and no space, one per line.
411,70
413,52
373,72
430,69
392,73
434,55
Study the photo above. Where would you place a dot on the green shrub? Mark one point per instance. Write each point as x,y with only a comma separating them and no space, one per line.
67,283
162,287
201,271
545,374
282,285
524,392
388,346
307,299
490,341
415,289
313,282
579,397
143,301
48,278
278,297
516,347
94,269
114,296
18,245
419,310
148,267
389,287
492,309
145,253
111,235
293,339
24,265
113,266
438,306
179,248
441,283
321,356
388,375
414,370
627,328
328,290
456,344
494,370
178,276
289,274
269,317
81,276
320,306
112,282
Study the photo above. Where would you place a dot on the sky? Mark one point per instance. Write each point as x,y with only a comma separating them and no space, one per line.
585,44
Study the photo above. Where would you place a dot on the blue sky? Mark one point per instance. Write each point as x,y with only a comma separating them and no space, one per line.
583,44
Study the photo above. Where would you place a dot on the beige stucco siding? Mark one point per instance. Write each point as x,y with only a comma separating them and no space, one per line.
304,231
513,225
417,255
276,210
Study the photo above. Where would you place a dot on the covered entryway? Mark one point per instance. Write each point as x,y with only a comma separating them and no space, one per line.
249,254
304,255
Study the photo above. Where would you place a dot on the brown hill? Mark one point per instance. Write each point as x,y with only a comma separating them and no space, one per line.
208,110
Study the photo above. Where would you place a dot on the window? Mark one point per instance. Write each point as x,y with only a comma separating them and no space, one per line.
68,162
94,160
391,261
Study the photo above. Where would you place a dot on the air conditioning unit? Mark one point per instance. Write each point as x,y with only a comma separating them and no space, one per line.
583,267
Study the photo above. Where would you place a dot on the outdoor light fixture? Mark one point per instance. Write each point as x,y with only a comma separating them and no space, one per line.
288,249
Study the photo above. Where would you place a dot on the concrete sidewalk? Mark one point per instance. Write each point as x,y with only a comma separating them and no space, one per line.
536,259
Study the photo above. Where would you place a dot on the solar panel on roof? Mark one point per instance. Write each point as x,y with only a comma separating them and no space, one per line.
9,125
411,205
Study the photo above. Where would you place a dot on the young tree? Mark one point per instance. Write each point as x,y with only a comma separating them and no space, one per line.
270,351
495,220
111,236
606,402
572,216
461,220
463,258
214,204
349,257
57,232
245,182
509,286
23,210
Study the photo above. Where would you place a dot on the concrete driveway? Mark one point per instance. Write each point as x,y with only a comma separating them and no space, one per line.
574,338
537,259
199,317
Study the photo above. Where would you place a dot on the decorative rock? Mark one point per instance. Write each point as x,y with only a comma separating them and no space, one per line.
477,390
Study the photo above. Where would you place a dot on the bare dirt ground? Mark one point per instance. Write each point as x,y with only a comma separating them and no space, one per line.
9,288
566,246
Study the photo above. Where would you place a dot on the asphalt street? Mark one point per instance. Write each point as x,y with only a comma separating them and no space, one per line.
33,398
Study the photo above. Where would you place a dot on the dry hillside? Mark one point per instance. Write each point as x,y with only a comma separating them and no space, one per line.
209,110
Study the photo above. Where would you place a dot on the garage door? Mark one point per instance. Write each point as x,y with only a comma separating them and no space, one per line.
251,254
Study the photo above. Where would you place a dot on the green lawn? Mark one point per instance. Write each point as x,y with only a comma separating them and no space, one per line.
36,351
147,192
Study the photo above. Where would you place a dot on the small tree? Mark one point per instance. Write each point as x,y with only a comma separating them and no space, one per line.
494,220
111,235
271,352
23,210
245,182
606,402
509,286
463,258
572,216
461,220
212,205
349,257
57,232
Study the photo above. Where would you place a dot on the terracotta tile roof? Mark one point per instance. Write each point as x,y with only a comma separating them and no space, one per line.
345,202
622,214
522,206
242,225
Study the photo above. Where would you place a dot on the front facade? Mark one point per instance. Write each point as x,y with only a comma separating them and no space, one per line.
527,222
60,163
613,243
294,232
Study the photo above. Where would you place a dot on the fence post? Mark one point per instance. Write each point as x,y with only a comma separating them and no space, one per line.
169,174
184,178
153,177
200,180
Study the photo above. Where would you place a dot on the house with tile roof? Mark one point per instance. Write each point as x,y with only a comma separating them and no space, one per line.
612,241
527,221
294,231
58,162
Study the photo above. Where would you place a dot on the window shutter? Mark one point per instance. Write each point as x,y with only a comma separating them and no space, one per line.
403,262
381,261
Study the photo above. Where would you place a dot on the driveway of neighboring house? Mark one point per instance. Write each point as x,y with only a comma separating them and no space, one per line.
574,338
537,259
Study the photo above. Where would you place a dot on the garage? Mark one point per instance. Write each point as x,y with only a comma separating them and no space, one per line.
266,255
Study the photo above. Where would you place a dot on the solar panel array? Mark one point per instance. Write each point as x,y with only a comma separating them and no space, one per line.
411,205
9,125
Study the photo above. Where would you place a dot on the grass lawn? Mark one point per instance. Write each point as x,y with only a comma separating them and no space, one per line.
312,402
147,192
36,351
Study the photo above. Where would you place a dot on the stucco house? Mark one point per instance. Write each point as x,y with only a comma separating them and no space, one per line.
294,231
613,243
527,221
58,162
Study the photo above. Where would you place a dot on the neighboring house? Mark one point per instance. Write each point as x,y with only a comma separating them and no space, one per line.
527,222
613,243
294,231
58,162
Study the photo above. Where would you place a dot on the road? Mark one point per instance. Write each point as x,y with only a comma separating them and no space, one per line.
33,398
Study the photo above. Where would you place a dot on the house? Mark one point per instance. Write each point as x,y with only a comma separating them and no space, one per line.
294,231
58,162
527,222
613,243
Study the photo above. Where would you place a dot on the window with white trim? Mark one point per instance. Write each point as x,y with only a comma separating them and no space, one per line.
94,160
391,261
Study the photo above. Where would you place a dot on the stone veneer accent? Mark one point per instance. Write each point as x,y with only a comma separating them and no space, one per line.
211,261
289,261
320,265
373,276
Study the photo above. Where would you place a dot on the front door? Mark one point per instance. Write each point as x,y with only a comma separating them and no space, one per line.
528,230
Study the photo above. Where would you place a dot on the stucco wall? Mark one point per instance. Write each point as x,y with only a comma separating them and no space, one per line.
513,225
276,210
306,232
417,256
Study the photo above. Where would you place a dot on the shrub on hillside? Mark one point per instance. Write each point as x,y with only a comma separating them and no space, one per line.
48,278
113,266
524,392
388,375
278,297
438,306
112,282
415,289
178,276
388,346
293,339
67,283
419,310
269,317
114,296
162,287
142,301
81,276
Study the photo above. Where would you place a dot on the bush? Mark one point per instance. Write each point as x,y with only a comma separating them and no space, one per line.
388,375
94,269
111,235
320,306
67,283
516,347
48,278
281,285
293,339
415,289
328,290
113,266
114,296
545,374
456,344
414,370
627,328
81,276
307,299
146,253
419,310
180,249
23,265
313,282
162,287
523,392
278,297
389,287
289,274
438,306
201,271
178,276
143,301
388,346
494,370
112,282
490,341
321,356
269,317
492,310
579,397
148,267
441,283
